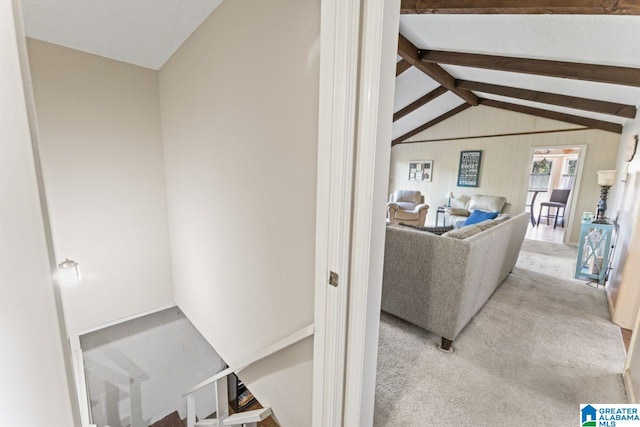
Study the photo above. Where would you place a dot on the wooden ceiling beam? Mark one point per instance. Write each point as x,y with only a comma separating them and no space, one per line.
410,53
401,67
554,115
433,122
568,70
420,102
564,7
604,107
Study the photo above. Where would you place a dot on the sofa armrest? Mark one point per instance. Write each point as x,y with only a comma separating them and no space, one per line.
457,211
424,277
421,207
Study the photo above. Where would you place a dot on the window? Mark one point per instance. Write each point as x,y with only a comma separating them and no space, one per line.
569,174
540,173
542,166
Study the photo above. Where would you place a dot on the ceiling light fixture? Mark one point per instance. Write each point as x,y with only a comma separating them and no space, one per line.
69,272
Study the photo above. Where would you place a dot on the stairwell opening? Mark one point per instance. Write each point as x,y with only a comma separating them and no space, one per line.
136,371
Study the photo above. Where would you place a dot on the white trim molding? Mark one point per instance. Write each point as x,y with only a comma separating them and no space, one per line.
357,76
626,379
627,374
339,50
373,151
566,238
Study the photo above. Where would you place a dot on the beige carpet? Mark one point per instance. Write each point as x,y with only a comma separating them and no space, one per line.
542,345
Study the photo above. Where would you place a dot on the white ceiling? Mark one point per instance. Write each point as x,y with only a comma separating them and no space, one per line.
140,32
148,32
594,39
445,102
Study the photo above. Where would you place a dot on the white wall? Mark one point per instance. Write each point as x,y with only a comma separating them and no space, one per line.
625,206
239,107
99,122
137,370
33,385
505,160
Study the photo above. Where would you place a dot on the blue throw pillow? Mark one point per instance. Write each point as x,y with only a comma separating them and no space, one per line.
479,216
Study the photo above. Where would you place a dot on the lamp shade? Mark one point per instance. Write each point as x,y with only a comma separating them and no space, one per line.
449,195
607,178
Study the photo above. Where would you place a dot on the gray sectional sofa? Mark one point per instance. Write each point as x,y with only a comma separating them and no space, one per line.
439,282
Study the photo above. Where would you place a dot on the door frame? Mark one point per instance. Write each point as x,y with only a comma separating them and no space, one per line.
357,79
566,237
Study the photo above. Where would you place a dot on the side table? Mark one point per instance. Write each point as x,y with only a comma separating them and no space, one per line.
593,251
440,210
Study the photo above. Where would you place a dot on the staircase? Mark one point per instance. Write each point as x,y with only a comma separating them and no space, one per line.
248,418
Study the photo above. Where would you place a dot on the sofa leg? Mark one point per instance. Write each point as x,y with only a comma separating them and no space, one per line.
446,345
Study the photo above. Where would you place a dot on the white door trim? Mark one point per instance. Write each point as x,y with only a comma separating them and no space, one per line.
626,373
339,47
358,47
373,152
566,239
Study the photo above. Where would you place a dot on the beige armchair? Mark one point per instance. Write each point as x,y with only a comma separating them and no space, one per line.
407,206
456,215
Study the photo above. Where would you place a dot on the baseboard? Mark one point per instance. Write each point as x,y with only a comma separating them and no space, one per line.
126,319
609,301
631,397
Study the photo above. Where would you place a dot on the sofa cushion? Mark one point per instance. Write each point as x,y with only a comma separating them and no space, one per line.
411,196
463,232
406,215
434,230
479,216
457,211
487,203
485,225
407,206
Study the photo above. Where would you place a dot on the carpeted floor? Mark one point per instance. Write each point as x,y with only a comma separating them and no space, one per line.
542,345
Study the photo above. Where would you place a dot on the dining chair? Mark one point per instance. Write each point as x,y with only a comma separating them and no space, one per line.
558,200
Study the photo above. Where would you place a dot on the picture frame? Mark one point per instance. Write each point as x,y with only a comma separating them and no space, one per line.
421,170
469,168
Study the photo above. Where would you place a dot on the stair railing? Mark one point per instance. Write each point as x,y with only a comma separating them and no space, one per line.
249,418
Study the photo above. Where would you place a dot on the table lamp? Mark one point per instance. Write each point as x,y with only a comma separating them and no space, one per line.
449,196
606,179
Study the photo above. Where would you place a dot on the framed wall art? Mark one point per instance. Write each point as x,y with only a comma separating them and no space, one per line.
420,170
469,170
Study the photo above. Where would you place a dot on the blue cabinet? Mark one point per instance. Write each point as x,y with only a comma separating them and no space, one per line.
593,251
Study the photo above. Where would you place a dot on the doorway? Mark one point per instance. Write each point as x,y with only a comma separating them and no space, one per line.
553,180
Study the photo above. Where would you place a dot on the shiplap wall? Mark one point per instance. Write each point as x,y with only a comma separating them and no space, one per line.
505,160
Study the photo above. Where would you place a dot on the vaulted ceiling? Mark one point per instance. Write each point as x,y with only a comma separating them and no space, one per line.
582,68
437,78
